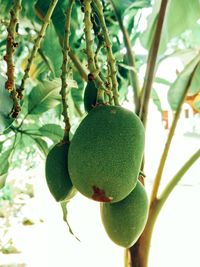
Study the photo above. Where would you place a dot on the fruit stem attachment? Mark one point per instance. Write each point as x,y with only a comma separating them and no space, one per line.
11,45
90,53
64,68
169,140
110,57
151,64
36,46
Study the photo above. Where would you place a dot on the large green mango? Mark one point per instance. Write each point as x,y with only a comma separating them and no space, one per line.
106,152
125,220
57,176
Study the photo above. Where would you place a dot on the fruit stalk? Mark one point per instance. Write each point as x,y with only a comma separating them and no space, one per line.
141,251
36,46
90,53
151,64
110,57
131,60
10,50
65,50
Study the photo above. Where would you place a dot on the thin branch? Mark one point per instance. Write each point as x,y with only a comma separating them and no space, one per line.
82,71
174,181
37,46
131,61
168,142
110,57
10,50
64,85
151,64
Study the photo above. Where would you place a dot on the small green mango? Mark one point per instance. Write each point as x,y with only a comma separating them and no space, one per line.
90,95
106,152
125,220
57,176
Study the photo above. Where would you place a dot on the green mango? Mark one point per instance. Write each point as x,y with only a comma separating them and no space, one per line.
56,171
90,95
106,152
125,220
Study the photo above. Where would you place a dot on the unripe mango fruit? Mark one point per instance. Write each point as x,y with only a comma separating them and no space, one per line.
106,152
56,170
125,220
90,95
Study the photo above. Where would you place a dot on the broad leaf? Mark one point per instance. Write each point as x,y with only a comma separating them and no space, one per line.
195,84
58,16
3,180
178,88
42,145
4,165
6,105
52,50
179,18
52,131
44,97
156,99
121,6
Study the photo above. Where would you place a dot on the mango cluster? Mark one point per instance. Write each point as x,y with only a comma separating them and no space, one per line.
103,162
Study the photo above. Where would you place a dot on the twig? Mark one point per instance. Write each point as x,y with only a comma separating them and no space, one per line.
171,185
168,142
36,46
110,58
10,50
83,73
131,61
65,50
151,64
90,53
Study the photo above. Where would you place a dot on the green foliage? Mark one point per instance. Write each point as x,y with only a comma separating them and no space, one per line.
178,19
110,166
183,81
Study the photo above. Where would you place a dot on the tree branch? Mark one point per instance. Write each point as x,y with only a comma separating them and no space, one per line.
151,64
37,46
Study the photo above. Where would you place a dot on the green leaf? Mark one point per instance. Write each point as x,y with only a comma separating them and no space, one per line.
6,105
3,180
195,84
121,6
178,19
42,145
44,97
177,90
162,81
52,131
58,16
156,99
4,165
53,52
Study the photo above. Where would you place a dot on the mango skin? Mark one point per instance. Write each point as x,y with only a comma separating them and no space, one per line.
106,152
57,175
124,221
90,96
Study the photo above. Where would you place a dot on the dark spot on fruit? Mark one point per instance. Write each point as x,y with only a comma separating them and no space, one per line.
99,195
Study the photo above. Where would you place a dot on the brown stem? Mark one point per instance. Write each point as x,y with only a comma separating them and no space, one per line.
10,50
151,64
